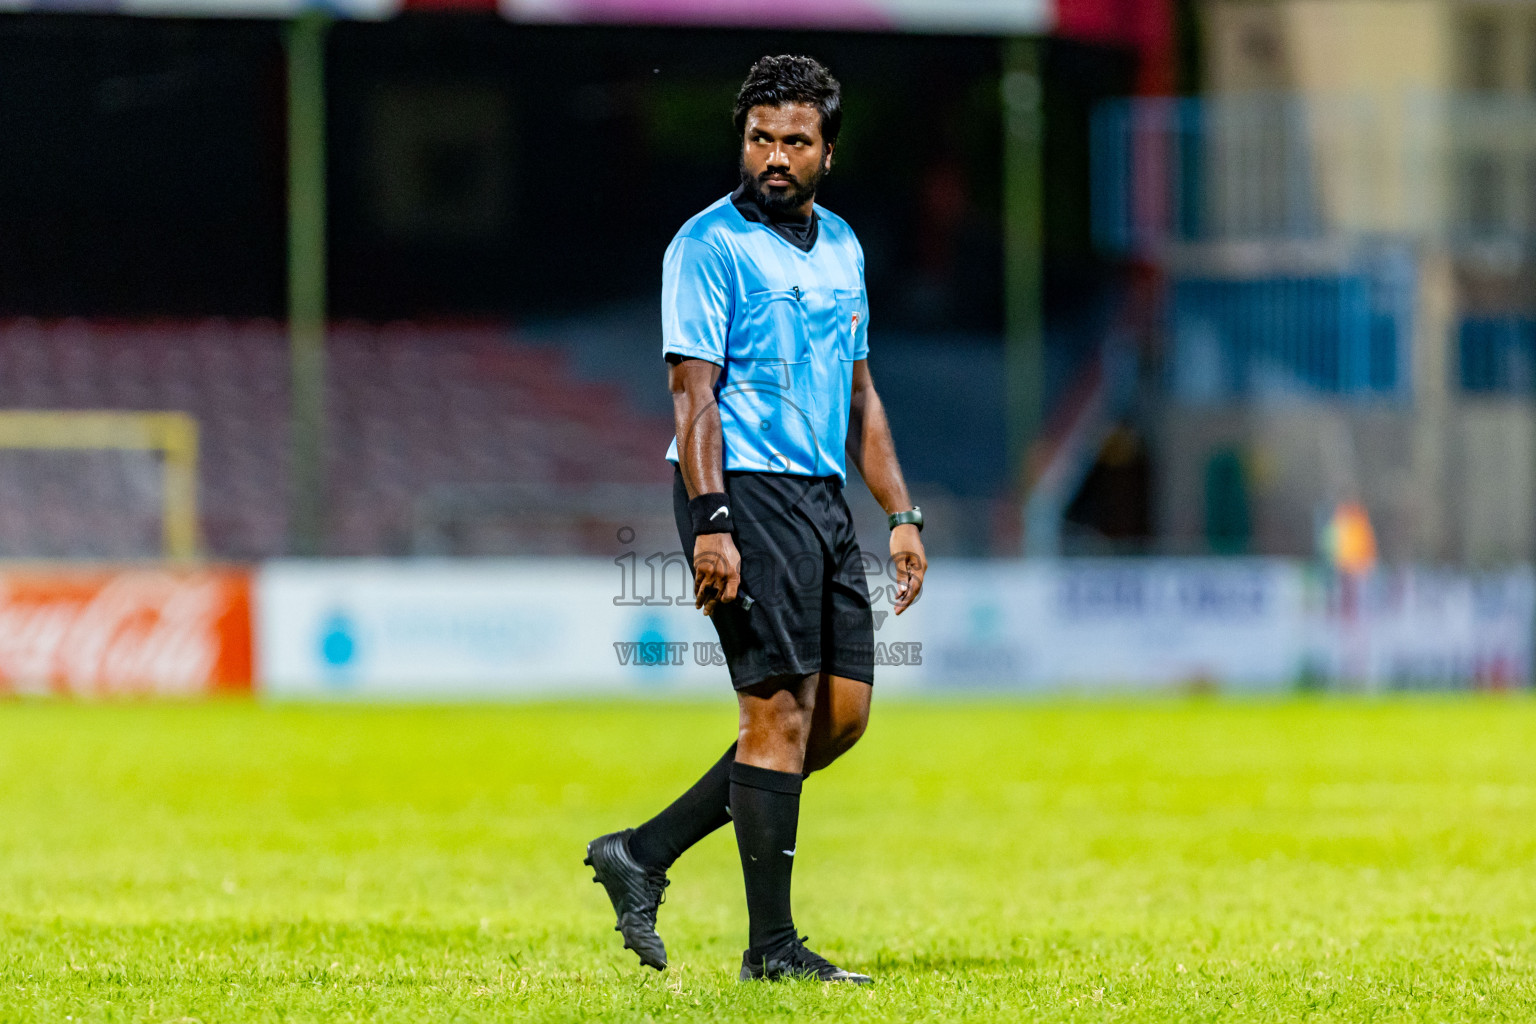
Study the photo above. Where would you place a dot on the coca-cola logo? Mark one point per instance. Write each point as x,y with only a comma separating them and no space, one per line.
130,632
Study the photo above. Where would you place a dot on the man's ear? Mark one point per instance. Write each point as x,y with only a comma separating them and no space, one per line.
826,159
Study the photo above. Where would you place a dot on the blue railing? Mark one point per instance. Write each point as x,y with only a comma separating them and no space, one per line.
1498,354
1342,334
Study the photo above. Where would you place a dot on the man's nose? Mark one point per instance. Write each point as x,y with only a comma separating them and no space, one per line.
778,156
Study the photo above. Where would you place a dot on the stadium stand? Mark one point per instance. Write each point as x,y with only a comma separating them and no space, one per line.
421,419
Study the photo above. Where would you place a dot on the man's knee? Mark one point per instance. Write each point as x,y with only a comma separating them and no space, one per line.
849,706
851,731
788,726
834,739
778,716
841,738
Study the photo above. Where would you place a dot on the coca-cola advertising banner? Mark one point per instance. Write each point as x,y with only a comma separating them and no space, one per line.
125,632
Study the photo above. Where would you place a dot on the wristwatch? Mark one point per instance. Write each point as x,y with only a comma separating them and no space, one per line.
913,515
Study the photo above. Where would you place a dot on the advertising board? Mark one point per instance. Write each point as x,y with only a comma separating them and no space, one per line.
473,629
484,629
1412,629
1112,624
125,632
430,630
488,629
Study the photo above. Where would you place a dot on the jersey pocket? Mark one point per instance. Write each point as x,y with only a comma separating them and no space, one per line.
852,328
777,336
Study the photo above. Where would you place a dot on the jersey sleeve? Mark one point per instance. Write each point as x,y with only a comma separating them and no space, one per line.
696,301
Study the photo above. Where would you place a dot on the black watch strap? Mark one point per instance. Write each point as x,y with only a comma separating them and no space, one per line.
913,515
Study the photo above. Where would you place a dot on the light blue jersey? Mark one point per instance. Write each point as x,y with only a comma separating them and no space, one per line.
785,326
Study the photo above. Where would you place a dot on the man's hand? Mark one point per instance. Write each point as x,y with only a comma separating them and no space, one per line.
910,563
716,570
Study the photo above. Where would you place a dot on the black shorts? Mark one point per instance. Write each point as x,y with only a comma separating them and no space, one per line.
802,567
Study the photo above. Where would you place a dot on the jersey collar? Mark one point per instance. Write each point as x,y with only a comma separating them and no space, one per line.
800,234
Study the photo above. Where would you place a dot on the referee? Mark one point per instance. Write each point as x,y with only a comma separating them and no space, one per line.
765,331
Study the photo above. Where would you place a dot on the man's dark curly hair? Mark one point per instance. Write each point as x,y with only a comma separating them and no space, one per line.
775,81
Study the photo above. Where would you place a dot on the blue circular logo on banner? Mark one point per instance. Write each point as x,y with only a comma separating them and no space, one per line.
338,641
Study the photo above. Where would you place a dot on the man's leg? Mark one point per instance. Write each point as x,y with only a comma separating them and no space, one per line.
765,804
839,717
765,799
838,720
689,818
839,714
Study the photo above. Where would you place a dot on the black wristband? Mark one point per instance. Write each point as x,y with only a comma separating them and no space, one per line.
711,513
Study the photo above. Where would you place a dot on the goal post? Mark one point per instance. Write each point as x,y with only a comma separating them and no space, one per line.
172,435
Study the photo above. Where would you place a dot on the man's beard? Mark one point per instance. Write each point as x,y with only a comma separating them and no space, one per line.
780,202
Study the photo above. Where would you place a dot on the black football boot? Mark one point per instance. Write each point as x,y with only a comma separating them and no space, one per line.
793,960
636,893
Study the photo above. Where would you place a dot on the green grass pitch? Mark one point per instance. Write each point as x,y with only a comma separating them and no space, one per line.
1171,860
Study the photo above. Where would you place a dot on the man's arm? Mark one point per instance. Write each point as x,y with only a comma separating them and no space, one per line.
871,448
700,455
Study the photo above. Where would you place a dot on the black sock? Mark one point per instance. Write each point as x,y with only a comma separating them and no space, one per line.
766,807
689,818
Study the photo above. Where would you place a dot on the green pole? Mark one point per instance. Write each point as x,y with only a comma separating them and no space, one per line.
306,280
1023,258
